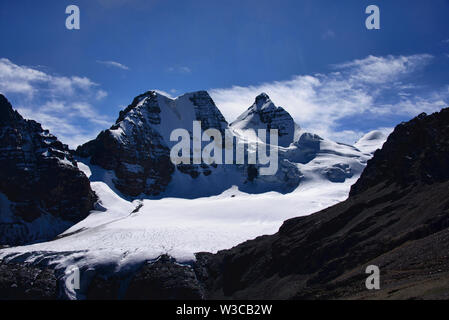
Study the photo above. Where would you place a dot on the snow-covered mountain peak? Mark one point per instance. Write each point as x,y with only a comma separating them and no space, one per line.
263,101
264,114
168,113
137,147
372,141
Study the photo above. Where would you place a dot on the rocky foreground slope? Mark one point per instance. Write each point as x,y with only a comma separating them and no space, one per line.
42,192
397,217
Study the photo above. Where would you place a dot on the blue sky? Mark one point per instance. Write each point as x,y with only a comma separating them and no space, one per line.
314,58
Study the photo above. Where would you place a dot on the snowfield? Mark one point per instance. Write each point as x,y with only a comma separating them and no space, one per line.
121,234
182,227
122,231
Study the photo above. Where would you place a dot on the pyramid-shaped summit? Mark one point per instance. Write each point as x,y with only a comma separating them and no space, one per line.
264,114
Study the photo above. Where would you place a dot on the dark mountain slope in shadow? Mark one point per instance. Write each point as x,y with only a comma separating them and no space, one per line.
397,217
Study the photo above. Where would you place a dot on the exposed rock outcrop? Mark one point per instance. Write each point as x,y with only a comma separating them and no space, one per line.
162,279
26,282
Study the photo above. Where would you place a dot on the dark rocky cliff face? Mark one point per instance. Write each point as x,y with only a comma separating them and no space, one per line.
397,210
40,180
139,158
417,152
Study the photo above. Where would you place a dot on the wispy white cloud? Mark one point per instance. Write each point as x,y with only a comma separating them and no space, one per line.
321,102
66,131
101,94
114,64
378,70
64,105
165,93
181,70
26,80
73,123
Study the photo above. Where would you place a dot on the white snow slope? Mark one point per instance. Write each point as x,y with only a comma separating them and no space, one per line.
373,140
178,227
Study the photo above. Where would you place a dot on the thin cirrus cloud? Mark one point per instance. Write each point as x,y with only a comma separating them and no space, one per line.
113,64
101,94
373,87
59,103
378,70
180,70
